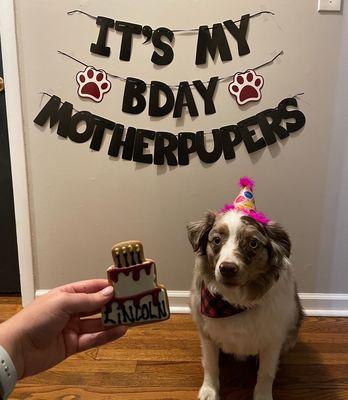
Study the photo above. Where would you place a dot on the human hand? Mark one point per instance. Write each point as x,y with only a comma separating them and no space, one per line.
53,326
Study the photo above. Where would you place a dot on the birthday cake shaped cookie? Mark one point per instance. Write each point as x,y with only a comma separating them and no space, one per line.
138,299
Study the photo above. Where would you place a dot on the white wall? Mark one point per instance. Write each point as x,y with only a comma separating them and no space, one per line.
332,256
82,202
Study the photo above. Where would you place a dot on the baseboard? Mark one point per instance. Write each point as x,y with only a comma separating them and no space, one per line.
179,301
325,304
314,304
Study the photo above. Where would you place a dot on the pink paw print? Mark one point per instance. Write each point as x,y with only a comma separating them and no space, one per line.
246,87
93,84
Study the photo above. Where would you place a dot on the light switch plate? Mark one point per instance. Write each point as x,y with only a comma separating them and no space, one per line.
329,5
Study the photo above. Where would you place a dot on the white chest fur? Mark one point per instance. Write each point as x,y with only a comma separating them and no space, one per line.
251,331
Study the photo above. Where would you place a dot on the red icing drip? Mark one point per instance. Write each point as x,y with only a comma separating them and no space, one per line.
155,298
135,269
136,275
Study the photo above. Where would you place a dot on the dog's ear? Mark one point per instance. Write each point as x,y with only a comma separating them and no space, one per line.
280,244
198,232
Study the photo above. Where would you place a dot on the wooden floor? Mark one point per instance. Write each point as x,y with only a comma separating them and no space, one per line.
162,361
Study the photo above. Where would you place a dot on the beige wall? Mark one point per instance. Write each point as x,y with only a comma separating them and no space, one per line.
82,202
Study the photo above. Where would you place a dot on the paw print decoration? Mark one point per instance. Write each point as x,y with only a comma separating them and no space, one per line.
93,84
246,87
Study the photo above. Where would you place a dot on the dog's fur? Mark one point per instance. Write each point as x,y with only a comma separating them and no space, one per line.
264,284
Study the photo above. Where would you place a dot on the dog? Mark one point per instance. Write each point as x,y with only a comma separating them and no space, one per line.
244,298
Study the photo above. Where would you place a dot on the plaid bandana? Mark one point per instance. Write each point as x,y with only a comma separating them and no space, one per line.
213,306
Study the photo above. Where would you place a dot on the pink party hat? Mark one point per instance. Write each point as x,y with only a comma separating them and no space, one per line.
245,201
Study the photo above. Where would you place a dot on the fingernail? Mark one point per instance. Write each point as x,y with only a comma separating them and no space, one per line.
107,291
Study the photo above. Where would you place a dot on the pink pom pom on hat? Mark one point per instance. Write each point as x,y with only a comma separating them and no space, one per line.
245,202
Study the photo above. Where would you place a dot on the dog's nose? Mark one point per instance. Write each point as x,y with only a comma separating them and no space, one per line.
228,269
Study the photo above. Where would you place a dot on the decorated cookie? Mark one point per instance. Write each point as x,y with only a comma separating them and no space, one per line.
139,299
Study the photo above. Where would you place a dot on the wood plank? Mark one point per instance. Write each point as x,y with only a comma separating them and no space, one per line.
325,325
45,392
303,393
88,365
156,344
98,393
289,394
90,354
191,377
323,347
7,300
172,351
9,305
139,337
318,337
313,358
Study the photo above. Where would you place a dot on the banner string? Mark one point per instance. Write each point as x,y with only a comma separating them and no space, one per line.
176,134
173,30
220,79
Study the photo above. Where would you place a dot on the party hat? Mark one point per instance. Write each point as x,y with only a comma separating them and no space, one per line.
245,201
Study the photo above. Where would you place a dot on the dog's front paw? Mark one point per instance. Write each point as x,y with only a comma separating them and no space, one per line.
262,396
208,393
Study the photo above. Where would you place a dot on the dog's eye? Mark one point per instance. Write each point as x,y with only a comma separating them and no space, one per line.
253,243
217,240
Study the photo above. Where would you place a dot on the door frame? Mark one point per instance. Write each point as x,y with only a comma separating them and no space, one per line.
17,149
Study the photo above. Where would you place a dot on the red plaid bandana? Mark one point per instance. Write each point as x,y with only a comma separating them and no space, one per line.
214,306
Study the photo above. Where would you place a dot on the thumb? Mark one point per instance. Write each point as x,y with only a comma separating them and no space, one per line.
74,303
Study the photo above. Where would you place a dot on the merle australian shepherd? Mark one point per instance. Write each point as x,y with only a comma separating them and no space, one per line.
243,298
